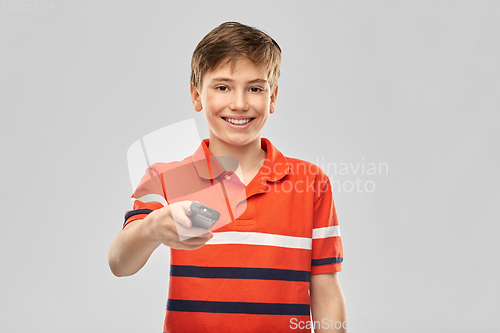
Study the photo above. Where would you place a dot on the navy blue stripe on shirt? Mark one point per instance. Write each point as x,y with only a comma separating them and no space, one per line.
326,261
238,307
239,273
135,212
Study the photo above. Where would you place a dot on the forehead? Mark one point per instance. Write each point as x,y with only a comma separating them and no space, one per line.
241,68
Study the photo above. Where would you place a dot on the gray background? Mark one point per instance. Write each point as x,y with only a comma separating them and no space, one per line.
414,84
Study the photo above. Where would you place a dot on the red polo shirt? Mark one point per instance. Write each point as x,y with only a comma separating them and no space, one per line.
253,275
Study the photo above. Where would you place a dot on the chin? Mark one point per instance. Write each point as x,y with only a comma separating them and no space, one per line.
238,141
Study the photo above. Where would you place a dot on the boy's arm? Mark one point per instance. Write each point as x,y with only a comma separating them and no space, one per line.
132,247
328,303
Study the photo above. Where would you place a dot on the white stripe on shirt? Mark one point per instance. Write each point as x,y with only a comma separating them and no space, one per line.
258,238
326,232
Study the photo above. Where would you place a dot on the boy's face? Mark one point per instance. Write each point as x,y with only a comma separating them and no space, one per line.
227,96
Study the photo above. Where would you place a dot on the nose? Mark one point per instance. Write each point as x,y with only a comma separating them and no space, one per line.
239,102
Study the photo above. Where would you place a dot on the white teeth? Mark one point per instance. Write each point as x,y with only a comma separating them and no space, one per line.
238,122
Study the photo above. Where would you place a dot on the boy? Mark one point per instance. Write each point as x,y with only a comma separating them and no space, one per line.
277,259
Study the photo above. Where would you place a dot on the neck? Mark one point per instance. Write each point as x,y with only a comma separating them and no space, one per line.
250,156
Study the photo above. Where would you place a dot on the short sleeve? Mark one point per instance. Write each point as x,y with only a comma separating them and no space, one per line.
148,196
327,252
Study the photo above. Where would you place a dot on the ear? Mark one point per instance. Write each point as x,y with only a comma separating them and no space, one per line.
272,105
195,97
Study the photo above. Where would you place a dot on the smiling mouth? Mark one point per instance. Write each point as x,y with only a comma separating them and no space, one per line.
238,122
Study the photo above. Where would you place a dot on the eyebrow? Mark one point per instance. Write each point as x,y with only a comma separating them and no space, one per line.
224,79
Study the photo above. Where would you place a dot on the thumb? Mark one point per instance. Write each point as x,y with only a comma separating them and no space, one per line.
186,221
179,215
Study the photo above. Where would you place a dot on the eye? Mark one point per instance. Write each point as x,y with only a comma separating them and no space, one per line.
222,88
255,89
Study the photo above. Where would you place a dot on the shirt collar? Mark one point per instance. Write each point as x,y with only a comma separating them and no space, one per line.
275,166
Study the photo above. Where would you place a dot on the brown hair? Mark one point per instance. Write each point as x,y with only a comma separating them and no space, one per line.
231,41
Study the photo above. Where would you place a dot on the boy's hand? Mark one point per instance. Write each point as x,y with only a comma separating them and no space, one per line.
170,224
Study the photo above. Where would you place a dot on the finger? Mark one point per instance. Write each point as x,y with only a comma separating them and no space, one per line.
172,236
186,204
182,246
196,241
183,217
179,215
192,231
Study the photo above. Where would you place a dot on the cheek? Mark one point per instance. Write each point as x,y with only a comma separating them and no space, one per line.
214,104
264,104
262,99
